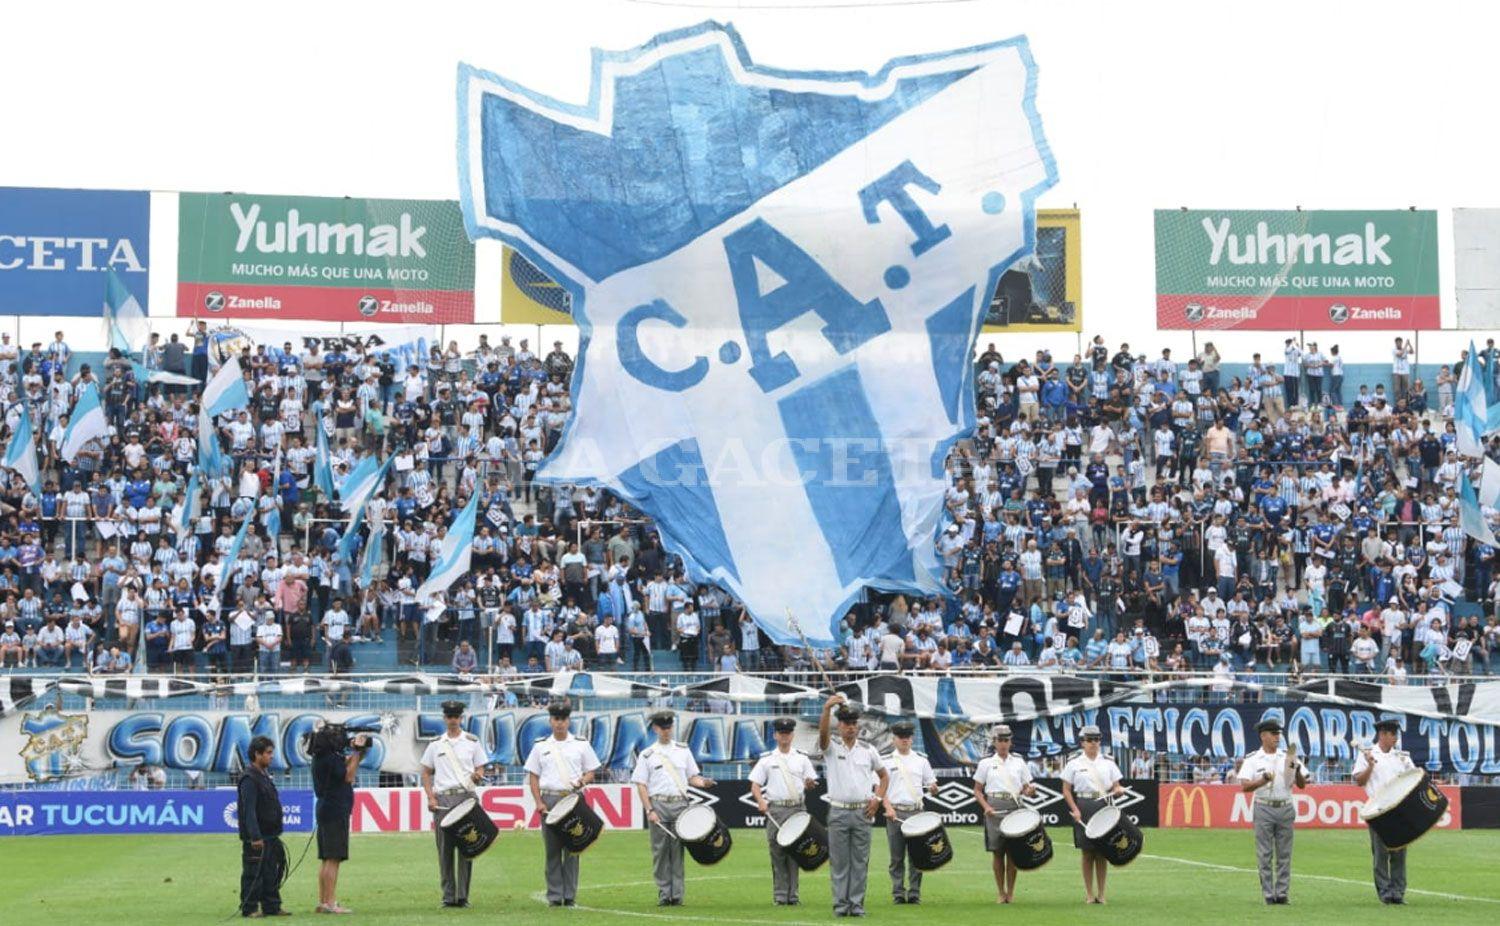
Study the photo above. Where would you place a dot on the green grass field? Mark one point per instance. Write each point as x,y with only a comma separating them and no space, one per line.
1184,876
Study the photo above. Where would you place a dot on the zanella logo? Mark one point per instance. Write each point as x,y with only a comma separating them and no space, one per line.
1262,246
288,234
1179,803
849,204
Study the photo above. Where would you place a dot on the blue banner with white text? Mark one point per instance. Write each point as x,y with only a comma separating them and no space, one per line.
60,813
56,246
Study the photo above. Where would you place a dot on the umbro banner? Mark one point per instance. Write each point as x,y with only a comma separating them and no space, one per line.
1295,270
323,258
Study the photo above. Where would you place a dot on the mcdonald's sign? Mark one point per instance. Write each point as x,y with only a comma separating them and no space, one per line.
1186,806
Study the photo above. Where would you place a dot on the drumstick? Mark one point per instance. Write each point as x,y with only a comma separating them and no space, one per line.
663,828
791,621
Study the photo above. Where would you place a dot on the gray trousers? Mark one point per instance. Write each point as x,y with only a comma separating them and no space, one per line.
1273,848
1390,869
906,880
784,871
453,868
562,865
666,850
848,858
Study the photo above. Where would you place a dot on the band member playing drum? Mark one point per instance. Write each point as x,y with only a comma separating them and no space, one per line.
1087,780
558,766
663,772
1373,769
1000,781
1270,773
451,767
910,774
857,782
779,782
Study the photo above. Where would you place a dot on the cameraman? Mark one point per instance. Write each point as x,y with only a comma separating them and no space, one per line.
263,859
335,764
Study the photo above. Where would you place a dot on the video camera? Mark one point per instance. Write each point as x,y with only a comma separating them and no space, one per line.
335,738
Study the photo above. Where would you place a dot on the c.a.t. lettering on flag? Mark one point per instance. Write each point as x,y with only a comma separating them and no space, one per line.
779,277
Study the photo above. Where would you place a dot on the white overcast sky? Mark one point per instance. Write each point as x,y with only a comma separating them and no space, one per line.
1373,104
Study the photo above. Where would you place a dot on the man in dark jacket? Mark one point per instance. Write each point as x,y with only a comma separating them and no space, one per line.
263,858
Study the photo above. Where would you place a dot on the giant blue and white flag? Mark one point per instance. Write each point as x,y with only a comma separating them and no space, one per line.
1471,408
85,423
454,554
226,390
779,277
1471,515
20,453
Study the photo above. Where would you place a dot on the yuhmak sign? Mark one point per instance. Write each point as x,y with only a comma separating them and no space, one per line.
1295,270
324,258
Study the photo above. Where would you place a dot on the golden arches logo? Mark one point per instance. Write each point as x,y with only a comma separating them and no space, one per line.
1186,799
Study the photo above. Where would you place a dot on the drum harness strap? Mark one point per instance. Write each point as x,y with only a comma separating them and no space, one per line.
452,757
906,780
675,774
1098,779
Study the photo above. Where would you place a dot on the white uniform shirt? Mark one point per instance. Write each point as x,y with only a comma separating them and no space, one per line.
850,771
909,773
454,767
783,776
1387,766
1007,776
559,764
1259,762
665,769
1091,778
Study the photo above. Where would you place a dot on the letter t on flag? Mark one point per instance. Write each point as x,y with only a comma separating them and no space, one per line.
458,547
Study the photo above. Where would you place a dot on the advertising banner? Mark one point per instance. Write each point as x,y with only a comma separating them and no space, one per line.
404,810
528,296
1476,267
1044,292
1295,270
61,813
1319,807
56,246
323,258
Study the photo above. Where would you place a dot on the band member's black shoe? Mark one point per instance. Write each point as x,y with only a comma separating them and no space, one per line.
1283,900
898,899
550,903
570,903
913,900
663,902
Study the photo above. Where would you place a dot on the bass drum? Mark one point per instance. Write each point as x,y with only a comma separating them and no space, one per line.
926,841
1114,836
805,838
703,834
470,827
1403,810
574,822
1026,839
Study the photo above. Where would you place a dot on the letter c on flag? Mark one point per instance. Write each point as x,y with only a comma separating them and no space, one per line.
635,361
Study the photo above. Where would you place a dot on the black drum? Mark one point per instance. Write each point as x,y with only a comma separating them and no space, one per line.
470,827
1026,839
1114,836
805,838
703,834
926,841
574,822
1405,809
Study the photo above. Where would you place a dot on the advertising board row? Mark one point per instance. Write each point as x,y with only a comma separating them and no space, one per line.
404,810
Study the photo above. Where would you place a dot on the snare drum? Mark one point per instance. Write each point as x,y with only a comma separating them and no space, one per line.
1403,810
805,838
574,822
703,834
1026,840
926,841
470,828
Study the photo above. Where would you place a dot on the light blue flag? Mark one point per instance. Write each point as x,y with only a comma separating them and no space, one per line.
455,554
344,552
86,423
232,558
373,556
323,463
226,390
886,204
1471,408
20,453
124,319
1469,514
192,505
211,458
273,523
362,484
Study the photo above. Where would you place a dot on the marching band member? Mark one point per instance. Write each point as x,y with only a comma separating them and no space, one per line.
1375,768
451,767
1087,780
852,766
663,772
1000,781
779,783
909,774
558,766
1270,773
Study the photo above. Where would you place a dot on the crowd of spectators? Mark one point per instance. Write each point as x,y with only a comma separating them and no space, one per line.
1113,512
